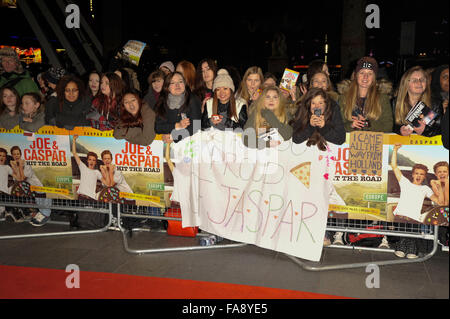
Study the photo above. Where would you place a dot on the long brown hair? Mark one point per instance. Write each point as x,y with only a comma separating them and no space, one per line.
243,89
372,106
303,116
3,106
161,105
126,118
232,112
200,85
402,105
189,73
107,104
280,112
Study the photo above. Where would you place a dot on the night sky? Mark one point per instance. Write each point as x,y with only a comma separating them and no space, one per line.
241,33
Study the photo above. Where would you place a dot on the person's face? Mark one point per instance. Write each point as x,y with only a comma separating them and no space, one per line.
318,103
176,86
365,78
253,82
269,82
9,64
131,104
16,155
92,161
29,106
104,86
71,92
157,85
418,176
417,83
442,173
271,101
444,80
320,81
223,94
9,99
207,73
2,158
94,82
107,159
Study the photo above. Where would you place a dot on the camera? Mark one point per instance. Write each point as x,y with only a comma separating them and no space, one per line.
317,112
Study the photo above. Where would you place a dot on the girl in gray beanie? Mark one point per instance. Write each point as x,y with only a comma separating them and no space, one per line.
224,110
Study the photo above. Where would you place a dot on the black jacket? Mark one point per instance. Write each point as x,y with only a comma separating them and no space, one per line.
70,115
333,132
166,124
227,122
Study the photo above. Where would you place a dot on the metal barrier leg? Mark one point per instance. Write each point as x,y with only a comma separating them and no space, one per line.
365,264
64,233
127,248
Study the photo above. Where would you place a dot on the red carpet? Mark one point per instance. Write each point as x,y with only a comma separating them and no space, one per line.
41,283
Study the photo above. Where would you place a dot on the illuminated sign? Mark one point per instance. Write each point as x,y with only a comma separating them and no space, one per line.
30,55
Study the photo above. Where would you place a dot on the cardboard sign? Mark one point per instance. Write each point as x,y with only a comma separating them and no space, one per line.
366,153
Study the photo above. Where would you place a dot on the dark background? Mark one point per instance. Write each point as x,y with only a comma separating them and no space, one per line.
241,33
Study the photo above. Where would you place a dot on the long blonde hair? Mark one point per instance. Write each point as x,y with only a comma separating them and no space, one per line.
280,112
402,105
372,106
243,89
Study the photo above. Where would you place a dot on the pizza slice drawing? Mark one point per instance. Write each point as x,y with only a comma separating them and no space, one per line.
303,173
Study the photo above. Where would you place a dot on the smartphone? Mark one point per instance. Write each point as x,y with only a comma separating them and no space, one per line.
216,117
317,112
183,116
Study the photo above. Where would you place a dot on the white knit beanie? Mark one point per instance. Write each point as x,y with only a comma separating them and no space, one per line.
223,79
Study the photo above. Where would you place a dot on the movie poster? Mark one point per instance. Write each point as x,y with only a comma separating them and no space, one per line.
418,179
359,195
110,170
35,165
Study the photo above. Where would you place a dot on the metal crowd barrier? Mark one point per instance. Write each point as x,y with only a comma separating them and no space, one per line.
58,204
128,211
143,212
402,230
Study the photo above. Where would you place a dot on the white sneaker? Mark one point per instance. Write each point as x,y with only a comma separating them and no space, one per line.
384,243
338,238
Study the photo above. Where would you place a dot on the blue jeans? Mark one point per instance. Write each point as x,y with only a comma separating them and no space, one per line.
44,202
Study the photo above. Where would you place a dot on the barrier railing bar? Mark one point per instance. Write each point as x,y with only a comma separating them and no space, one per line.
397,261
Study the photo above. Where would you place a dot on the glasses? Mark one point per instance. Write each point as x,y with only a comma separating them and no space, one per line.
71,90
421,80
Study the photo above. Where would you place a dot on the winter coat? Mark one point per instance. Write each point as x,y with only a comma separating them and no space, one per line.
383,124
166,124
38,122
22,82
284,129
70,115
7,121
333,131
241,110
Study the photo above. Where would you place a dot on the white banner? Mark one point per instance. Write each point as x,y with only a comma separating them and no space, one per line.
276,198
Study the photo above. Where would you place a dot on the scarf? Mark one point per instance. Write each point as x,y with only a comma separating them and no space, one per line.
175,101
